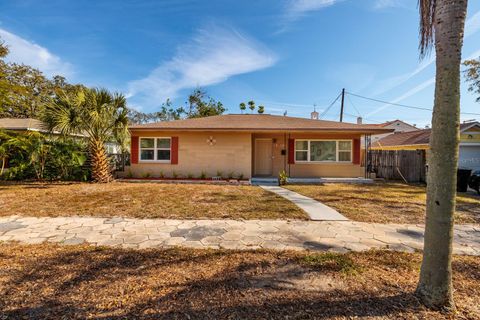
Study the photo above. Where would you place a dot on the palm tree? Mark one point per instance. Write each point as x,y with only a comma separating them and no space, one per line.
251,105
243,107
441,25
96,113
261,109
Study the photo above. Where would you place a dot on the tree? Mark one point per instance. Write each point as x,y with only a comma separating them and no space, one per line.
166,113
97,113
251,105
24,90
243,107
4,149
202,105
261,109
37,149
441,25
472,74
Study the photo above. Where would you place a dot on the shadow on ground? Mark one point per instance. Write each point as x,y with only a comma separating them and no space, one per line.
51,282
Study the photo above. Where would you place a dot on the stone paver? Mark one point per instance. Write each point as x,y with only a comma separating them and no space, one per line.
316,210
335,236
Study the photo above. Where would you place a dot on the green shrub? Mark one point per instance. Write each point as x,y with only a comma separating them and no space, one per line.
146,175
203,175
32,155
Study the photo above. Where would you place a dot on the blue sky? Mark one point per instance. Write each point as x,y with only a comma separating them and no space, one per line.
286,55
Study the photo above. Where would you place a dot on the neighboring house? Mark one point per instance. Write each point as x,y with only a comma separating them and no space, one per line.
469,149
29,124
398,126
248,145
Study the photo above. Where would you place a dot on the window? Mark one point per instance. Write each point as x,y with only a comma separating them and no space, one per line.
155,149
323,151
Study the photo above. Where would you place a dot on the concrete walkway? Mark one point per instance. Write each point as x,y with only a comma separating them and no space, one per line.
229,234
316,210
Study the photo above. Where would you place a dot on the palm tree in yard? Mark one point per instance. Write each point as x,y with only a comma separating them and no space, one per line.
96,113
441,25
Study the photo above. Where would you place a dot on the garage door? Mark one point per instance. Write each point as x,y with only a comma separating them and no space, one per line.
469,157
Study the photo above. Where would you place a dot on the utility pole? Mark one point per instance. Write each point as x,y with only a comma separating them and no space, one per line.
343,101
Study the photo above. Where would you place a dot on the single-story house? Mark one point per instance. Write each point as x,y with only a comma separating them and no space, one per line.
30,124
469,148
248,145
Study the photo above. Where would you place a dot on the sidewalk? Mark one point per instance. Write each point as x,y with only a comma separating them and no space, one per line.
338,236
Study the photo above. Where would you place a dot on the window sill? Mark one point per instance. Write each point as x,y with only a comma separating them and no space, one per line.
324,162
155,161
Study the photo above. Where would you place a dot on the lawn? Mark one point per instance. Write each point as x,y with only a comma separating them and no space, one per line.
65,282
145,200
385,202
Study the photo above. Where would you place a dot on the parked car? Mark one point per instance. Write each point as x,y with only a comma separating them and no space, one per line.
474,181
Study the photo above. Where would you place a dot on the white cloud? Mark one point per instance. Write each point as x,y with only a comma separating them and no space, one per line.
383,4
472,26
32,54
417,88
298,7
212,56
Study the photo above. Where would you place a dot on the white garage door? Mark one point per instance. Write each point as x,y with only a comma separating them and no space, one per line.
469,157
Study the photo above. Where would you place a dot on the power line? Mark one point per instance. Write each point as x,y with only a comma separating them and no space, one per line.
403,105
353,105
331,105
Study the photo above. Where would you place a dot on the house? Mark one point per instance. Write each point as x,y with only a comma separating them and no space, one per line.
22,125
398,126
248,145
469,149
30,124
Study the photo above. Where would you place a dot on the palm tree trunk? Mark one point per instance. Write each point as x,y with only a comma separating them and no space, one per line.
100,163
435,285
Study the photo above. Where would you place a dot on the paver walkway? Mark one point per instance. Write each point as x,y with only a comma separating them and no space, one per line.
230,234
315,209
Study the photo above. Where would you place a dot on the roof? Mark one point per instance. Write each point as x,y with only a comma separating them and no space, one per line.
27,124
419,137
385,124
258,122
404,138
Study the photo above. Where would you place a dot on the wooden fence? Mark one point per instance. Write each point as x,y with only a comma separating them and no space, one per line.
406,165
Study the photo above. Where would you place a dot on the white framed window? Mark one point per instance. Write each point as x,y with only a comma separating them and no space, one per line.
155,149
323,150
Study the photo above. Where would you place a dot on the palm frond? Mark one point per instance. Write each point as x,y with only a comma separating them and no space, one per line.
426,29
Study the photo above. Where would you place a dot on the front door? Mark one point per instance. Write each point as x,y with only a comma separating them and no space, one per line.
263,157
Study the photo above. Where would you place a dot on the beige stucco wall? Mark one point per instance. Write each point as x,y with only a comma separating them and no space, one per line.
326,170
231,152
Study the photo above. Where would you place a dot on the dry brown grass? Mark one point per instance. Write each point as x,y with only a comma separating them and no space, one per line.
54,282
385,202
145,200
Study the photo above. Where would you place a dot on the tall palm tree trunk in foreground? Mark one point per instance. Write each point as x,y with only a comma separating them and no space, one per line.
442,21
100,164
